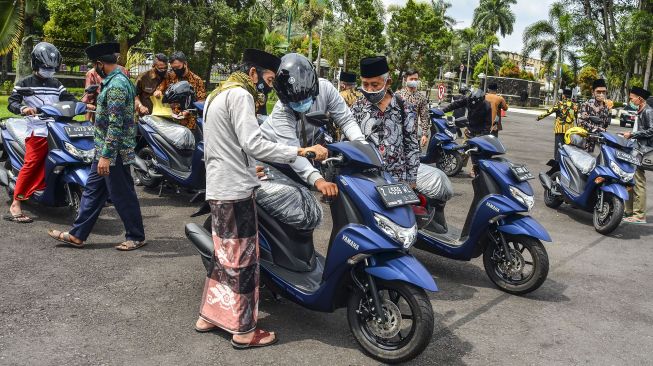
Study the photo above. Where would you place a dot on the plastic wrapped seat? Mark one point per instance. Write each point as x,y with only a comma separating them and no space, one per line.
17,127
288,201
433,183
177,135
582,160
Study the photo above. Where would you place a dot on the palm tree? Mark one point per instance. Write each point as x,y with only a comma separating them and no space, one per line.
440,7
16,28
553,38
492,16
468,36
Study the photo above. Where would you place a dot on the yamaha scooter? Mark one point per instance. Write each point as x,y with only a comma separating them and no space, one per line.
498,225
592,184
71,153
172,154
441,149
368,268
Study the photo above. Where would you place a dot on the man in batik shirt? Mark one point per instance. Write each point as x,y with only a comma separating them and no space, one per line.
596,107
565,111
115,139
410,94
387,121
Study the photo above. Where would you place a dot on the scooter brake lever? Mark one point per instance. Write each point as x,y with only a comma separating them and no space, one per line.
336,159
473,149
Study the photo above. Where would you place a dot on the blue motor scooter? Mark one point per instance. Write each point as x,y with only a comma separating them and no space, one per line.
172,154
596,185
367,269
496,226
442,150
71,152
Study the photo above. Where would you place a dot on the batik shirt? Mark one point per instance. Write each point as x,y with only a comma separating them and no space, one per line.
394,133
115,131
351,96
198,86
594,108
566,112
421,104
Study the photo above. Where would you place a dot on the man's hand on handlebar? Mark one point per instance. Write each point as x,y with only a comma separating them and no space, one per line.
316,152
29,111
328,189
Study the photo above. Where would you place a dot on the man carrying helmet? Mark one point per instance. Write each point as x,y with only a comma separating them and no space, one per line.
300,91
232,140
47,90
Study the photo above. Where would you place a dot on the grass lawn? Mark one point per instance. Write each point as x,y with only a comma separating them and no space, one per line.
4,112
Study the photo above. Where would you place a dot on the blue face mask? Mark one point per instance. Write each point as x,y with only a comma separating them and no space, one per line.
303,106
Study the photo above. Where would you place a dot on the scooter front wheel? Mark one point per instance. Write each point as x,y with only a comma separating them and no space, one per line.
451,163
408,325
608,217
75,199
527,270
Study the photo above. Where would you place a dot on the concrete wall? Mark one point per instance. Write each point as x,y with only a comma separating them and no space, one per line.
512,90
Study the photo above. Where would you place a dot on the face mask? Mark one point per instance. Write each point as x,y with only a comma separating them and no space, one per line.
262,86
303,106
375,97
160,73
179,72
45,73
100,71
632,105
413,84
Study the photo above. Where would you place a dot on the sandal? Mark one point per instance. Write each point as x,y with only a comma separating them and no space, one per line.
64,237
128,245
256,340
19,218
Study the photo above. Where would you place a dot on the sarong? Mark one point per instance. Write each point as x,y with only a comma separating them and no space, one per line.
230,299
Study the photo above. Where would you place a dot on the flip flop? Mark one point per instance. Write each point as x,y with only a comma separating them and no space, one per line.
19,219
256,340
64,237
128,245
206,330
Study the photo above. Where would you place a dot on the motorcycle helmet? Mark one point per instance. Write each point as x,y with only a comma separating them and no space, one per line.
181,92
463,90
296,82
45,56
476,99
576,136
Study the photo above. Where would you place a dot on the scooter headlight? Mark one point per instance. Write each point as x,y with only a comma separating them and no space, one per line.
84,155
523,198
404,236
626,177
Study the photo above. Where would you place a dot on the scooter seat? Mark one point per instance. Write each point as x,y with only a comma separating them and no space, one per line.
175,134
582,160
17,127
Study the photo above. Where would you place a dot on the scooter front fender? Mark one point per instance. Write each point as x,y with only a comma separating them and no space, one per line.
523,225
78,175
616,189
450,146
400,267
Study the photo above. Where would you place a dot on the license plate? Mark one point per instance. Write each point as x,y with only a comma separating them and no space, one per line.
395,195
627,158
79,131
521,172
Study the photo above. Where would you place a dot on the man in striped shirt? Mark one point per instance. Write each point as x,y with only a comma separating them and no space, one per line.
566,111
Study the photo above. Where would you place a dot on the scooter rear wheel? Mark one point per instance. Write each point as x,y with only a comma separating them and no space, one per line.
608,217
451,163
551,200
528,269
409,322
145,178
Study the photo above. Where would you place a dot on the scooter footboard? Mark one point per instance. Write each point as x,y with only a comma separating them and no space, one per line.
616,189
523,225
400,267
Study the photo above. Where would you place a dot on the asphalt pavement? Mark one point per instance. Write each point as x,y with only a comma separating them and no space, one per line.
99,306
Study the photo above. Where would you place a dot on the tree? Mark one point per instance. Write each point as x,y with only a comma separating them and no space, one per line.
311,12
363,31
586,77
70,20
554,40
492,16
417,37
509,70
484,67
468,36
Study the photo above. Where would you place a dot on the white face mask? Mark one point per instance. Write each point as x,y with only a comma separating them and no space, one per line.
413,84
45,73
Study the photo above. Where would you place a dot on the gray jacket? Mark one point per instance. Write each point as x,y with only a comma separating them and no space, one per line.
644,133
232,140
282,126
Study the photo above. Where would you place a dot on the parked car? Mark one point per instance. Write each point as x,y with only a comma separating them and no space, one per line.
627,116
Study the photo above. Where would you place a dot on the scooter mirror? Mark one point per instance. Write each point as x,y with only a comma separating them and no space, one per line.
318,119
25,92
91,89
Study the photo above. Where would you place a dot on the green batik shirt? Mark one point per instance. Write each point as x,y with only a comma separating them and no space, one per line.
115,130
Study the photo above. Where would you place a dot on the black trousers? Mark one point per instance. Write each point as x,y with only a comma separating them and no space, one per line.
120,186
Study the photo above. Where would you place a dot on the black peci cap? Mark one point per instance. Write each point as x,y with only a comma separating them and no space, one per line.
347,77
262,59
374,66
640,92
492,86
599,83
566,92
99,50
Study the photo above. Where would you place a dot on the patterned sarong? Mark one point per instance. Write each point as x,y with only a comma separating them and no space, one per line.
230,298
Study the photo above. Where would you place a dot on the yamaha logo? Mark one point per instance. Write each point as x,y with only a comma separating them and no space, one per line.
493,207
291,80
350,242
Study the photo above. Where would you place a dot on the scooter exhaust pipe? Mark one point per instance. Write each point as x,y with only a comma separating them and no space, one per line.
546,181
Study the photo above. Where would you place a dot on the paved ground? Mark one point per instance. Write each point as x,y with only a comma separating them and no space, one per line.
98,306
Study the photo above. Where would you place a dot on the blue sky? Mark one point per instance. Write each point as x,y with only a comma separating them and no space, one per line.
526,12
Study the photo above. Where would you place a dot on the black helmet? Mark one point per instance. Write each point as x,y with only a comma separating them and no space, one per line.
45,55
296,79
463,89
476,99
181,92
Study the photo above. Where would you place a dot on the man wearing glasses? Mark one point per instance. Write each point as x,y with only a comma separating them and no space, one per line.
596,106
